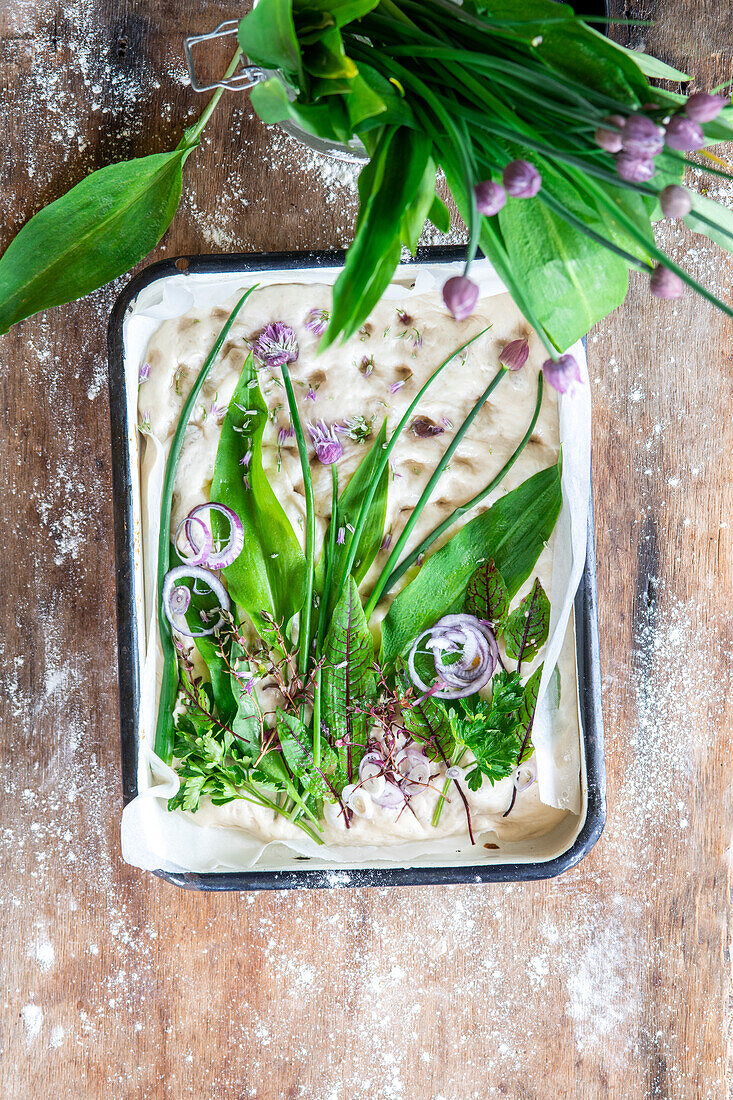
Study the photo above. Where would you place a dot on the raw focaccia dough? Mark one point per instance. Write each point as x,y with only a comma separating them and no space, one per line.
402,353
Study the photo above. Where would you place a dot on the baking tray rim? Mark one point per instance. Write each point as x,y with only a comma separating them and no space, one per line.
586,626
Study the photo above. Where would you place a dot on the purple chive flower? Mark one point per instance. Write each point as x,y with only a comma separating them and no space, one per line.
284,434
311,395
515,354
633,168
215,410
702,107
641,137
490,197
276,344
249,686
665,284
460,295
317,321
247,458
684,134
328,446
367,365
340,537
144,373
610,140
521,179
676,201
397,386
386,541
562,373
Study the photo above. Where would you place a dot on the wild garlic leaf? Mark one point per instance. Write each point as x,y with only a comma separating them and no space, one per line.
95,232
388,185
348,679
512,532
267,36
486,595
528,626
269,574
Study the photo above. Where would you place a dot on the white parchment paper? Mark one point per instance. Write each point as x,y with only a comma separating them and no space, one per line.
152,837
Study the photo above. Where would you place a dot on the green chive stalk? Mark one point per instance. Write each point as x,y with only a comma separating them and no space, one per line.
164,733
369,496
463,508
304,628
330,555
428,492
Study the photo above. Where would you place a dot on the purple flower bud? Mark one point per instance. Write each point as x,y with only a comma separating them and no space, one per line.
702,107
521,179
144,373
633,168
328,446
665,284
515,354
460,296
641,137
562,373
490,197
676,201
684,134
610,140
340,537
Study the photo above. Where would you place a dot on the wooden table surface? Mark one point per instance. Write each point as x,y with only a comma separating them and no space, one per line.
610,981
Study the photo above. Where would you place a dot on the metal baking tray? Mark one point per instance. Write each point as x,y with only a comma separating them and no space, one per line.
586,628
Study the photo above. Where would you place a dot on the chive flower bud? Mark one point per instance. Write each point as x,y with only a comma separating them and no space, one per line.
521,179
665,283
610,140
641,137
460,295
490,197
684,134
515,354
702,107
633,168
562,373
675,201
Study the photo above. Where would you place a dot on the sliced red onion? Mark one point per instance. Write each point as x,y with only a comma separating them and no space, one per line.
201,553
180,599
407,759
418,777
391,797
358,800
186,572
371,776
479,653
454,772
216,559
525,775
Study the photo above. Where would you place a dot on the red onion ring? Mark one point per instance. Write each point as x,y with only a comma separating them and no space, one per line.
182,572
200,555
529,767
206,555
479,654
391,797
179,599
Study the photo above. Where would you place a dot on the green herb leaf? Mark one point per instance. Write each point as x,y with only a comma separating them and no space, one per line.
387,186
269,574
348,679
267,36
490,729
512,533
95,232
527,711
427,721
294,741
527,627
487,596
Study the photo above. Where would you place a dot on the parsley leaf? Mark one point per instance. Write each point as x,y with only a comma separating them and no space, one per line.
491,729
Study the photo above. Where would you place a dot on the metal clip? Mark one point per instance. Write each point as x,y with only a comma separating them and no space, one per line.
247,77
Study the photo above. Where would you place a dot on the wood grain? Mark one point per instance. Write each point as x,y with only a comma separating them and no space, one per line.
611,981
